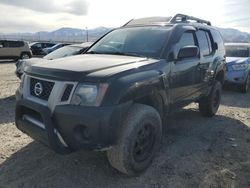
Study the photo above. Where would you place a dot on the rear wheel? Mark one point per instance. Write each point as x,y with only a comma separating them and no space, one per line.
138,141
245,88
25,56
208,106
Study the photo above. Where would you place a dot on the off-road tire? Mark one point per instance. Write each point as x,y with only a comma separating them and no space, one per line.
123,155
208,106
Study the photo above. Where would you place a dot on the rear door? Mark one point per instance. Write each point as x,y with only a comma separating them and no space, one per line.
4,50
183,82
15,48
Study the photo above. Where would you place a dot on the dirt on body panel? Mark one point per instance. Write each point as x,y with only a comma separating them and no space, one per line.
196,151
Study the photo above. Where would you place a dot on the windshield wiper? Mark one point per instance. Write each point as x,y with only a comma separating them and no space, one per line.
93,52
116,53
126,54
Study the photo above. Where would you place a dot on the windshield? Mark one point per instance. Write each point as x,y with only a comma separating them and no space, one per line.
237,51
64,52
136,41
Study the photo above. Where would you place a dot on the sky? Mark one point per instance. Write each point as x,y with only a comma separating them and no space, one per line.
19,16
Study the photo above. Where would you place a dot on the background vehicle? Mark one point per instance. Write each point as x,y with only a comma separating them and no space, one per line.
14,50
55,47
116,95
238,65
37,47
65,51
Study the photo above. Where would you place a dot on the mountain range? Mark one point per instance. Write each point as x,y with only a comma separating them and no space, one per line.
82,35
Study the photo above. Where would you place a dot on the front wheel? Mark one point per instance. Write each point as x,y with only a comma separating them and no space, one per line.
138,140
208,106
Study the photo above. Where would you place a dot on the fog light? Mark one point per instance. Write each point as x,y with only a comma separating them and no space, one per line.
83,133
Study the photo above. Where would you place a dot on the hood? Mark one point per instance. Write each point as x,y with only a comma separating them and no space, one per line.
77,67
27,62
233,60
33,61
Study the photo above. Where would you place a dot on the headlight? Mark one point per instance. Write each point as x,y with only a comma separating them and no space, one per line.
240,67
89,95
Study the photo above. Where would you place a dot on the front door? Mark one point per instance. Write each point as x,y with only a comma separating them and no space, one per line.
183,80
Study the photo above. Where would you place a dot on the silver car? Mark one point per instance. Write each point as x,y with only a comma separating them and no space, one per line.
14,50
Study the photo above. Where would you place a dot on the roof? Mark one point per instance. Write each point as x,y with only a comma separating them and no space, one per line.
149,21
178,18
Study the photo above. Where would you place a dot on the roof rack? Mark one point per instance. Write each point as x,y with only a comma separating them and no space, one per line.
148,21
178,18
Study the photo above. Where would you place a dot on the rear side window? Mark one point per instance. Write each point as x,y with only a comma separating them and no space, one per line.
2,44
48,45
38,45
218,38
204,42
16,44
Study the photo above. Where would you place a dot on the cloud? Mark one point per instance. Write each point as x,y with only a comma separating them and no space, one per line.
21,26
236,13
76,7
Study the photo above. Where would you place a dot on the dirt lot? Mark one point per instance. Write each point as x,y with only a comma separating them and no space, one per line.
196,151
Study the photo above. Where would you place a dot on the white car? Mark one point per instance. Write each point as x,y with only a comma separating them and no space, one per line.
15,50
65,51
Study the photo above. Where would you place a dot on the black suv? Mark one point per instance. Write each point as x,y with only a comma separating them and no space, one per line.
116,97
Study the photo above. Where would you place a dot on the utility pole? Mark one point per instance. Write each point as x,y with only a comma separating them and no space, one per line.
87,34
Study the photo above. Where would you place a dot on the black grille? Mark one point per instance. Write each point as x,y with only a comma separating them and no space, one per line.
67,92
46,88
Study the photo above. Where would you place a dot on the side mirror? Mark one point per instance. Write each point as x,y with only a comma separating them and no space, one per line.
188,51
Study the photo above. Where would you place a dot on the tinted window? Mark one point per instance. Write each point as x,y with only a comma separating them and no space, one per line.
16,44
209,40
237,51
204,42
3,44
137,41
218,39
49,45
187,39
37,45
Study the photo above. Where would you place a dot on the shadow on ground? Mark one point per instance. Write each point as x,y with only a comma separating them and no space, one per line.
7,109
194,151
7,61
232,97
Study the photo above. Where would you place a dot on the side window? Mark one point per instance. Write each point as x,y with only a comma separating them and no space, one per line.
49,45
209,41
6,44
38,45
186,39
1,44
204,42
218,39
16,44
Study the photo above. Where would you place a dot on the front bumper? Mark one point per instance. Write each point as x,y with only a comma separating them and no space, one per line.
70,127
236,77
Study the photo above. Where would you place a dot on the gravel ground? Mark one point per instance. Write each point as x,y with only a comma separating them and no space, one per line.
196,151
